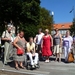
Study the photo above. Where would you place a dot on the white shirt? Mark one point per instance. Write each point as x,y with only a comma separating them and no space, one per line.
67,41
39,38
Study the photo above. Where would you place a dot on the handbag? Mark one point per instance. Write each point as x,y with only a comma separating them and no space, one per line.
20,51
71,57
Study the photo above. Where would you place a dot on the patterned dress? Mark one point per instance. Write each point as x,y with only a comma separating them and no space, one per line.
21,44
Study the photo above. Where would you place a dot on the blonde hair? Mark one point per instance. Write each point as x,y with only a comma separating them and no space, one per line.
47,30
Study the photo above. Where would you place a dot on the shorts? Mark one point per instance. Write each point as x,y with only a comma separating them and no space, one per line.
57,49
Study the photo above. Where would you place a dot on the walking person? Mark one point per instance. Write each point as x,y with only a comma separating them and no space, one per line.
38,40
19,43
31,52
67,43
46,44
6,36
57,42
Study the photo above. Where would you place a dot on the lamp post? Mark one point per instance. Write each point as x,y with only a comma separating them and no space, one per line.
52,14
73,10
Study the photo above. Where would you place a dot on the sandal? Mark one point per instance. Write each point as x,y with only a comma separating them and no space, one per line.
17,68
22,67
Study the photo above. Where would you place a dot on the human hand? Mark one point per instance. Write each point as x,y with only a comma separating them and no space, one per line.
60,45
41,46
8,39
33,54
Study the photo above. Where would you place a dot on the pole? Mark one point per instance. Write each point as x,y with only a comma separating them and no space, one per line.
74,12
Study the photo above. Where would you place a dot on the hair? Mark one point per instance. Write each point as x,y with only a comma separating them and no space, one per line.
47,30
68,31
21,31
56,29
8,27
30,38
40,29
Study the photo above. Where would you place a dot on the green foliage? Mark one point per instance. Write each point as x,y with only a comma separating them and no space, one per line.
45,17
26,14
72,29
31,12
30,30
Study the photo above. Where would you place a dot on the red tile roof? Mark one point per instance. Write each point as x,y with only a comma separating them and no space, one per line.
62,26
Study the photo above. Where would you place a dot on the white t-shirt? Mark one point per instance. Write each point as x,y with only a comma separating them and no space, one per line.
39,38
67,41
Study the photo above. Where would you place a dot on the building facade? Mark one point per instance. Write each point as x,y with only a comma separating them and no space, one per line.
63,27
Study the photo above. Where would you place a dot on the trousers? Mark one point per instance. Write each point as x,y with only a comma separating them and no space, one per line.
67,50
6,51
35,60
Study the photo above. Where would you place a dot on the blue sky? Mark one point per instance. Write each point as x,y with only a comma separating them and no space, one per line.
61,9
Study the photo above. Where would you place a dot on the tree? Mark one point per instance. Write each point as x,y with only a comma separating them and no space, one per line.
46,18
10,10
26,14
72,29
31,12
20,11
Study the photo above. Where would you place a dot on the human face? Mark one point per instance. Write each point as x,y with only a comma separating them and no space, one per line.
56,30
9,29
39,31
67,33
31,40
21,34
46,32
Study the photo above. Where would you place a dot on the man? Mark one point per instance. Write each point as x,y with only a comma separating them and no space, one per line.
67,43
31,52
38,40
6,36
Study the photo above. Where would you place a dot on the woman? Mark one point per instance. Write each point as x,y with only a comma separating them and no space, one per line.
46,44
19,43
57,40
67,43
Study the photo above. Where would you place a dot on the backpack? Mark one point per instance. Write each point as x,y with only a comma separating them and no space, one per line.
3,41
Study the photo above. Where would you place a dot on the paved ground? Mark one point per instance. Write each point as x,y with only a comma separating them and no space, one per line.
52,68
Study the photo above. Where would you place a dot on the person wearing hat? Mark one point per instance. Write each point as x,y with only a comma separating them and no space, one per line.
6,36
46,44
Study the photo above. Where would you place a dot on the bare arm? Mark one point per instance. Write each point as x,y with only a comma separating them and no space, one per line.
34,48
14,43
60,40
25,40
42,42
35,40
51,40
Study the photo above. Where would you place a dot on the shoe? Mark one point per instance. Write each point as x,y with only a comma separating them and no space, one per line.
17,68
33,66
22,67
36,65
47,61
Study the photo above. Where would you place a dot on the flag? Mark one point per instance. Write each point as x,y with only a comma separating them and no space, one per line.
72,9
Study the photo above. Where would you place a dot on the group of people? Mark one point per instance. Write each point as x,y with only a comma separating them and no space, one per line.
42,43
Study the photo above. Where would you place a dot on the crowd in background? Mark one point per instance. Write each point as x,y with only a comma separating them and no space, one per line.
43,45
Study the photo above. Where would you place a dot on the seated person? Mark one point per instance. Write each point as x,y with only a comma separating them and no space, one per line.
31,52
